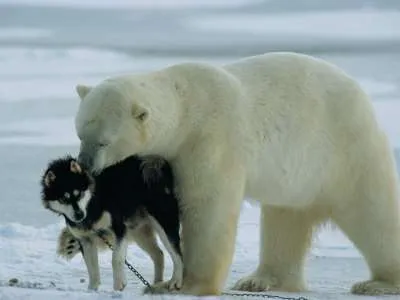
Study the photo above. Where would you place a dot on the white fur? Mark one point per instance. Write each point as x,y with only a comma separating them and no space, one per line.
84,201
68,210
61,208
177,276
289,130
91,259
118,260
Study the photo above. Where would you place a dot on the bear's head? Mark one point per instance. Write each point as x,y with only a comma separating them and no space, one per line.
111,124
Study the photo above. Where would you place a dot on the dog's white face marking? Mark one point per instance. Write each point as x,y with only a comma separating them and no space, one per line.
84,201
75,213
61,208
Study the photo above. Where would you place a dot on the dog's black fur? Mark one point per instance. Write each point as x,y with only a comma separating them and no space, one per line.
122,190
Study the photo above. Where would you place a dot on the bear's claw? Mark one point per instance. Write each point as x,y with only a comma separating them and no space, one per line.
372,287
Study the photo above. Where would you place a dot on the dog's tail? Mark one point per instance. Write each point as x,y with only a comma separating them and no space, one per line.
68,246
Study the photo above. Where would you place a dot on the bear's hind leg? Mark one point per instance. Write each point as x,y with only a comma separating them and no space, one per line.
285,238
372,222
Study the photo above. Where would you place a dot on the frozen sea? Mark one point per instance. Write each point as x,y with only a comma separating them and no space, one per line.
48,46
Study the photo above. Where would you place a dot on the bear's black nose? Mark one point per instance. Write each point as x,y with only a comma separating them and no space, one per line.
85,159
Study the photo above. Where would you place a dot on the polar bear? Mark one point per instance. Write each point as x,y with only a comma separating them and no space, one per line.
289,130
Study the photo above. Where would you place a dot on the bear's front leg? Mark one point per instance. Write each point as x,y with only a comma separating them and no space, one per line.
211,194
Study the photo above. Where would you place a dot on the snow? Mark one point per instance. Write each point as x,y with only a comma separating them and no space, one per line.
48,132
28,254
25,71
38,103
20,33
351,25
136,4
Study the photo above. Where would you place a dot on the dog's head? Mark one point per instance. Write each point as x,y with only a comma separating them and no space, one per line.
67,188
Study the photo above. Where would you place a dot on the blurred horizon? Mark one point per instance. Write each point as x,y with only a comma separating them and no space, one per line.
49,46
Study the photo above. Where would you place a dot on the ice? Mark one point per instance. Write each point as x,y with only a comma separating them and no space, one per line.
28,254
38,103
19,33
350,26
137,4
40,73
388,116
47,132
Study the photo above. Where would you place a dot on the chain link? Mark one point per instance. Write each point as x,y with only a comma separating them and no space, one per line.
148,285
138,275
261,295
130,267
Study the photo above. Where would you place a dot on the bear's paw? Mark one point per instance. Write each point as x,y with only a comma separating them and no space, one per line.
373,288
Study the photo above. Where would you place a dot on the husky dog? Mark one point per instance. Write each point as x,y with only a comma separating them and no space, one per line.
126,202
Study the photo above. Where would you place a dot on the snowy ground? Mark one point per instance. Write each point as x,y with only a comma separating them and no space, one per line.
28,254
43,54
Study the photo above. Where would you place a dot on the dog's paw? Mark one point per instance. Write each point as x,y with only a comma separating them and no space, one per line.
94,286
374,288
165,287
68,246
175,283
120,283
161,287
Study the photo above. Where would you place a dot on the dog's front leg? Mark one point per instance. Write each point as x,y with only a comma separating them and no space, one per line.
118,261
90,256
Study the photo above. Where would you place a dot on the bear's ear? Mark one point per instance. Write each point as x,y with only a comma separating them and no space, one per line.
82,90
140,113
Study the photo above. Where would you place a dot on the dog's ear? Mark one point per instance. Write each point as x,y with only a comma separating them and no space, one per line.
49,178
75,167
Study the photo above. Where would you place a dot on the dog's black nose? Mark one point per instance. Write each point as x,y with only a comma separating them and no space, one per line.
79,215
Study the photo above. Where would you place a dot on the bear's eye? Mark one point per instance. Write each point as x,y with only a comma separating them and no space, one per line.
142,116
101,145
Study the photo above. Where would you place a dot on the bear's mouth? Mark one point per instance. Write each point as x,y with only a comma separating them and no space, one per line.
86,160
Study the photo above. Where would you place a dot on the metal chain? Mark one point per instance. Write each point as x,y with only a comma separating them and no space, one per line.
261,295
148,285
130,267
138,275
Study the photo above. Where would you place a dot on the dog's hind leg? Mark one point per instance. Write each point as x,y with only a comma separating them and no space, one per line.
90,256
146,239
169,236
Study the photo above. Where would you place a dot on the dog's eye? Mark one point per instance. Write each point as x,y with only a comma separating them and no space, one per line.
102,145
